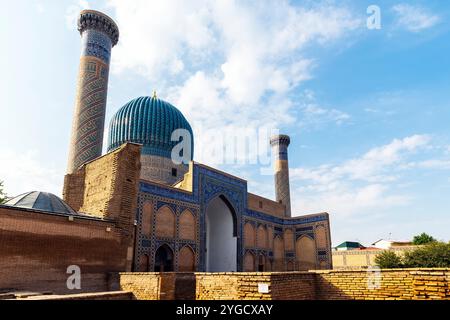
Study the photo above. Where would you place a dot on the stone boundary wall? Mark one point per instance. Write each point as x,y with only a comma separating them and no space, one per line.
360,259
387,284
36,248
216,286
111,295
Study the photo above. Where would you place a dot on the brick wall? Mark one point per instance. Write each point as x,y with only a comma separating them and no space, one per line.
118,295
257,203
388,284
405,284
216,286
145,286
36,248
356,259
107,187
231,286
155,285
293,286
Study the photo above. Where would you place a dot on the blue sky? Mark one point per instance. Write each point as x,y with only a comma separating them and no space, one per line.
367,110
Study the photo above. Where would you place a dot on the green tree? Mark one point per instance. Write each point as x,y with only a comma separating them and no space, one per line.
423,239
388,259
432,255
3,197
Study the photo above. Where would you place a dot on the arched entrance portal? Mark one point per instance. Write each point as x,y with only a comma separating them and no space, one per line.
221,236
164,259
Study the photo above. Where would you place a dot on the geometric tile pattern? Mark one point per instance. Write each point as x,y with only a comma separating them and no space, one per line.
98,35
279,145
207,185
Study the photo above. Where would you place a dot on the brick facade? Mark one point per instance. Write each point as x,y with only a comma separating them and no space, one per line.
107,188
401,284
36,249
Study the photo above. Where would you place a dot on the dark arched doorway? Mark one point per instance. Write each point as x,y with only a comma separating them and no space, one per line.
261,263
221,236
164,259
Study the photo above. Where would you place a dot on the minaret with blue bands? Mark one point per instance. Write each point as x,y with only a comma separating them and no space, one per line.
280,145
99,34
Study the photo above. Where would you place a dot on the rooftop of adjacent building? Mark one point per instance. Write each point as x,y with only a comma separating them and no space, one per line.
349,245
44,202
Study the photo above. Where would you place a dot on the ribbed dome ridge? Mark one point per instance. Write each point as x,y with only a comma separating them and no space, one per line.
43,201
150,122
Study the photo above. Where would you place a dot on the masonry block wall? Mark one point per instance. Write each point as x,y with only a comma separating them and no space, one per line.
107,188
388,284
401,284
36,249
357,259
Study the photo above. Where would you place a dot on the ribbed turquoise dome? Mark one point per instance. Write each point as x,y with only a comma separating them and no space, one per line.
150,122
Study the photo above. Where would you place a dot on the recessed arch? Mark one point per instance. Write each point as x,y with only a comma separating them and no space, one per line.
186,259
262,263
249,262
165,222
164,259
144,263
305,250
288,240
321,237
233,212
278,254
147,218
187,226
262,236
270,237
221,236
249,235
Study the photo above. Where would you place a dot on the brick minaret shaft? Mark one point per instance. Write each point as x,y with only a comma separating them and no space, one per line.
99,34
280,145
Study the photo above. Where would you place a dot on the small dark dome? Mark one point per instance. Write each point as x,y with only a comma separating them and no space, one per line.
43,201
148,121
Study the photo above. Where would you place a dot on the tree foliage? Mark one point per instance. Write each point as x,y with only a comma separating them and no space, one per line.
3,197
432,255
388,259
423,239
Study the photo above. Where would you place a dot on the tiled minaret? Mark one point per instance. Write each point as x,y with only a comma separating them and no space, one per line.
280,145
99,34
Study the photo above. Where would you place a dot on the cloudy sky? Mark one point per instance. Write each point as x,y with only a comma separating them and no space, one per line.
367,109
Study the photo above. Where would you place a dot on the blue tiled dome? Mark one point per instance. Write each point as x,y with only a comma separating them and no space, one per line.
150,122
43,201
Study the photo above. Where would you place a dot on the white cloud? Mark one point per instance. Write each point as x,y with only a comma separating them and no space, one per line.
414,18
439,164
227,64
22,172
360,184
40,7
251,48
72,12
321,114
